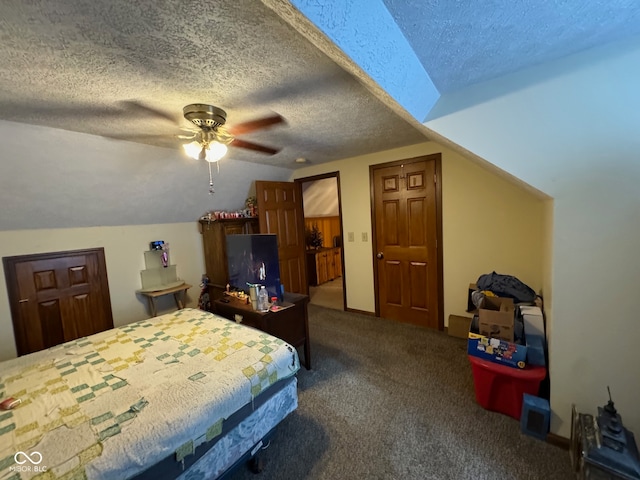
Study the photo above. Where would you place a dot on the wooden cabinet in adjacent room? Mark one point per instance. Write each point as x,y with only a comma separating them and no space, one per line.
324,265
215,248
337,262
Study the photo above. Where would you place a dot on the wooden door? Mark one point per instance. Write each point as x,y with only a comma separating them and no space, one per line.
280,212
406,231
57,297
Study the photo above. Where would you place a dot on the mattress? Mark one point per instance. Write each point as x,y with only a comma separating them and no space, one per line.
116,403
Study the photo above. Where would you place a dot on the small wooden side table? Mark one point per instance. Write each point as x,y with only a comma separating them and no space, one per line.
179,294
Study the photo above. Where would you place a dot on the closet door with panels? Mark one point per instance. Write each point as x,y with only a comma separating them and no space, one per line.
57,297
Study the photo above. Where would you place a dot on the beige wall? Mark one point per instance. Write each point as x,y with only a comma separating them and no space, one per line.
124,251
489,224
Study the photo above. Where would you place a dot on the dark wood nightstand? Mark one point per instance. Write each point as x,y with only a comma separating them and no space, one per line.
290,324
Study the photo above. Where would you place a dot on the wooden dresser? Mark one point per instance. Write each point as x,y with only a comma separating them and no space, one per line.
290,324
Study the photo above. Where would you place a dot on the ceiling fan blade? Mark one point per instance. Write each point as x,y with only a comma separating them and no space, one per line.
133,137
151,111
258,124
253,146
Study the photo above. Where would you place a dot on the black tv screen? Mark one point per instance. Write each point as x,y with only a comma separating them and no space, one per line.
253,259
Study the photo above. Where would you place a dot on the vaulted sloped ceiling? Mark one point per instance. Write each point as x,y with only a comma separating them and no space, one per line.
101,67
78,65
464,43
419,50
360,79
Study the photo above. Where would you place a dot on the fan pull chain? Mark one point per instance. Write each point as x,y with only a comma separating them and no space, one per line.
211,190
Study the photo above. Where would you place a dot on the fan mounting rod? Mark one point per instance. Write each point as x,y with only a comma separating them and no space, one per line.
205,116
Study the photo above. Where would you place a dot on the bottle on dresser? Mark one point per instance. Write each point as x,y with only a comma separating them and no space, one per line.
263,300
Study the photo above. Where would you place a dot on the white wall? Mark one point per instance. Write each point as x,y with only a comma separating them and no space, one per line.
574,134
124,255
488,224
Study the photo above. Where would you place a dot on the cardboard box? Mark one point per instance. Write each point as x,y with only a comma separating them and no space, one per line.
534,333
496,318
459,326
533,320
497,351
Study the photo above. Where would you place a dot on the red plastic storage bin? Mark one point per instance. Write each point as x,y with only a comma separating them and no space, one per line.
500,388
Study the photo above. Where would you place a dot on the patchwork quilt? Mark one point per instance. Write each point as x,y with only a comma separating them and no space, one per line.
112,404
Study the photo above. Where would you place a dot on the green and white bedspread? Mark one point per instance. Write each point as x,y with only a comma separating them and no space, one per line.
112,404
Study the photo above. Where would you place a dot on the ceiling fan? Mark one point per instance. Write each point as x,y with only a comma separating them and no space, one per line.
208,131
211,137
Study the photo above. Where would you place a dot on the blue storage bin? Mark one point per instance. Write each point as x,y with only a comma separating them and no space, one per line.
535,417
535,350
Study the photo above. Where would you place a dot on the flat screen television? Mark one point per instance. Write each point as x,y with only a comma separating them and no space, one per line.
253,259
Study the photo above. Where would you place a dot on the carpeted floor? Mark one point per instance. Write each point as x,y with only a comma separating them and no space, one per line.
328,295
393,401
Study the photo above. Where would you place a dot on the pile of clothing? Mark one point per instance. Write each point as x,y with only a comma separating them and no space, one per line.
497,285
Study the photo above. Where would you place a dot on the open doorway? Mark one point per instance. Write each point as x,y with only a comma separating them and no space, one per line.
323,238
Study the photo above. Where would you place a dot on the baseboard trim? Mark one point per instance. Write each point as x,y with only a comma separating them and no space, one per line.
361,312
558,441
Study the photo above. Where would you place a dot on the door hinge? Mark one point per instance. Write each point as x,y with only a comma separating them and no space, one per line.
435,178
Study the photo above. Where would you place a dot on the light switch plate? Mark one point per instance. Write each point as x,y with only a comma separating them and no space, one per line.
350,236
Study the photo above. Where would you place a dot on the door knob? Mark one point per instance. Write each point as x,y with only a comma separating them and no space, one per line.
380,255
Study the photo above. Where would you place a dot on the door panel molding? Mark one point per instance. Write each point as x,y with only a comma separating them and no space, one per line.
415,217
280,212
49,292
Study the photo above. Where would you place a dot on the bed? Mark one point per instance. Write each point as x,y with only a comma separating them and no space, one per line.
183,395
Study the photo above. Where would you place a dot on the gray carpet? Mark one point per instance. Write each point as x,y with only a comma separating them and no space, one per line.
328,295
393,401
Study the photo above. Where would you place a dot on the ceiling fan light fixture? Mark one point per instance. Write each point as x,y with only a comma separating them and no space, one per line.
215,151
212,152
193,149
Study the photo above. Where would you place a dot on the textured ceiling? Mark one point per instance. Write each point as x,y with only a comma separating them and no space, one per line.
78,64
463,42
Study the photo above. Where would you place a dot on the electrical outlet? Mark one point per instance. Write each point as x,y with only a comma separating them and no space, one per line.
350,237
365,237
238,318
